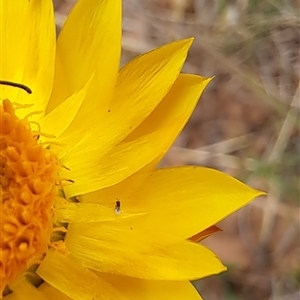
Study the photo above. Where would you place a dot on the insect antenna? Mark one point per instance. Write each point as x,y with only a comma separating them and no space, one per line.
18,85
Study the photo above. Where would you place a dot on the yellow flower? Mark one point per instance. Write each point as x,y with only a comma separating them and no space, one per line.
85,214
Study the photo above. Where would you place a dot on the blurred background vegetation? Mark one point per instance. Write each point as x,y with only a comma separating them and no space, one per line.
246,124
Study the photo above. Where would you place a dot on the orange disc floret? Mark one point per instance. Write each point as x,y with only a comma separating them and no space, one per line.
28,190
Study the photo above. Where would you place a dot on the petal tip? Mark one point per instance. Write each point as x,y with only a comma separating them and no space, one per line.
189,41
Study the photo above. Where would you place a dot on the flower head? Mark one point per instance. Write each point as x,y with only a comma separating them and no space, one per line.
85,213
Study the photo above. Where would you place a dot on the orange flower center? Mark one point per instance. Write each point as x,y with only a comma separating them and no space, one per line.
28,190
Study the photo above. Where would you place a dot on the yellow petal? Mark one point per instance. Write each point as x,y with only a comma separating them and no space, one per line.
113,247
144,82
89,212
89,43
74,280
204,234
58,120
51,293
137,289
147,143
27,36
202,196
108,195
170,196
176,108
169,116
25,291
107,169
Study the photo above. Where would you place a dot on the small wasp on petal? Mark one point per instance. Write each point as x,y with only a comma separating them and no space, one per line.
118,207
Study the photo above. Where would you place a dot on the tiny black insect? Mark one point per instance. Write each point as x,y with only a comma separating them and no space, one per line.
19,85
118,207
